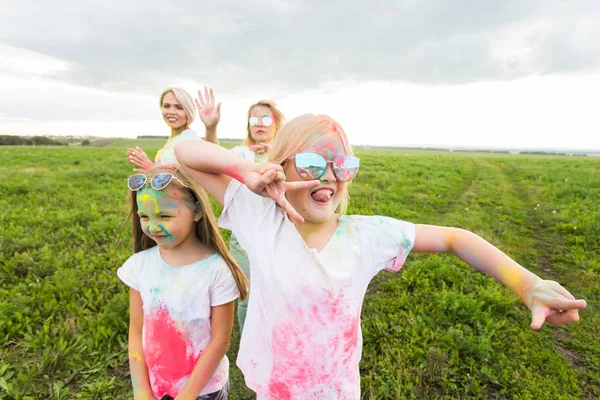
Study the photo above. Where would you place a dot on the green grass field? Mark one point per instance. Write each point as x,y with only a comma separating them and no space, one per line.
436,330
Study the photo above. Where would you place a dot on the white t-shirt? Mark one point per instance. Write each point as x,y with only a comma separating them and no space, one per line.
166,155
177,305
302,337
244,152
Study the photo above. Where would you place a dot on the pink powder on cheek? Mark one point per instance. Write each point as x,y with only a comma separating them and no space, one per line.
166,351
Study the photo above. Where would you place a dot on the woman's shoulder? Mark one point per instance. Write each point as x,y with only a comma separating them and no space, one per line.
187,135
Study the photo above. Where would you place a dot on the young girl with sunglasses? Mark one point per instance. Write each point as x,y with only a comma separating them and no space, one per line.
312,264
264,119
178,111
183,284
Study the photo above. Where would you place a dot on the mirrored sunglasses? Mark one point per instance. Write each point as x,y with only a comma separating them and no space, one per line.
312,166
266,121
157,182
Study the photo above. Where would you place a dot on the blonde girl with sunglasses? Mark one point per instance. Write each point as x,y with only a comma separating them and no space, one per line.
178,111
183,285
264,119
311,263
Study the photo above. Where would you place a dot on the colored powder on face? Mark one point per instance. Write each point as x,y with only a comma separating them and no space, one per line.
315,349
143,198
166,351
328,144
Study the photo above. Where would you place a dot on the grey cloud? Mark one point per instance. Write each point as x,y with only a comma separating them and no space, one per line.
294,45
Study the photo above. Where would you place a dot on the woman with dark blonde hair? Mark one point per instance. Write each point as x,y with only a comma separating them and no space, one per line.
178,111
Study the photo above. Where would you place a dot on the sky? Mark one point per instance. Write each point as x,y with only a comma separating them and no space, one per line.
487,73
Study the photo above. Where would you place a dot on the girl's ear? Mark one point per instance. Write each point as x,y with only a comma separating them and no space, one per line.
198,216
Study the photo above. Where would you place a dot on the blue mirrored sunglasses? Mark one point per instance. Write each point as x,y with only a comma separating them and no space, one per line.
157,182
312,166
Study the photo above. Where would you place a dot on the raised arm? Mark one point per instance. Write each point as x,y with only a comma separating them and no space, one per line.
547,300
137,364
210,114
213,167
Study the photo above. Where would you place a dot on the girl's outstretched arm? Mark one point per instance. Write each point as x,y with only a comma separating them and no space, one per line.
137,364
221,324
213,167
547,300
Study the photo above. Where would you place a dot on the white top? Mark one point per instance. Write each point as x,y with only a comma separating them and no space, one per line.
166,155
244,152
302,337
177,305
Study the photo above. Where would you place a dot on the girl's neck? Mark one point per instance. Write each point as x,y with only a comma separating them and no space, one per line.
177,131
317,234
186,253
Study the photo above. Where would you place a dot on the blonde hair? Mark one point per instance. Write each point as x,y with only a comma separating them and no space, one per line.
186,101
295,135
206,227
279,119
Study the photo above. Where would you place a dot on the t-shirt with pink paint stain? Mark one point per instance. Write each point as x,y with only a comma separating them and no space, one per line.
166,155
302,337
177,305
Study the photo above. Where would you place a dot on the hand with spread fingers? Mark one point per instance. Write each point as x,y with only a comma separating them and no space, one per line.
552,303
208,109
268,180
139,159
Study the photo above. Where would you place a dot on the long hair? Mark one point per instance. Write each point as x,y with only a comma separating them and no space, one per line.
296,134
206,228
186,101
279,119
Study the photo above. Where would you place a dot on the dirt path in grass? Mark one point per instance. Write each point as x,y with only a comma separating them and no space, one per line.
544,246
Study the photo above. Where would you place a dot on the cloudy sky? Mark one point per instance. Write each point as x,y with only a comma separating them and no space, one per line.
413,72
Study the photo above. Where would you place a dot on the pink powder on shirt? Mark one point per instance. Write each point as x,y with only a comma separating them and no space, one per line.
167,353
315,351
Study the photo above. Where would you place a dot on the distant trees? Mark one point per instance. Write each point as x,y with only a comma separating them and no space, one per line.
10,140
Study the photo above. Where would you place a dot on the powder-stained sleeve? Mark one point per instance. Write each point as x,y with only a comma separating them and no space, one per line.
390,242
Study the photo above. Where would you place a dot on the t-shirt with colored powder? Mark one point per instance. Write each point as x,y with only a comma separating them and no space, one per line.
166,155
236,250
177,305
302,337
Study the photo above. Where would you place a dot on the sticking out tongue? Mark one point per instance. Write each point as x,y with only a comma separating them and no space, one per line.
321,195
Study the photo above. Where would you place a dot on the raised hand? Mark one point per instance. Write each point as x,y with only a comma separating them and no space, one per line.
139,159
209,111
268,180
552,303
